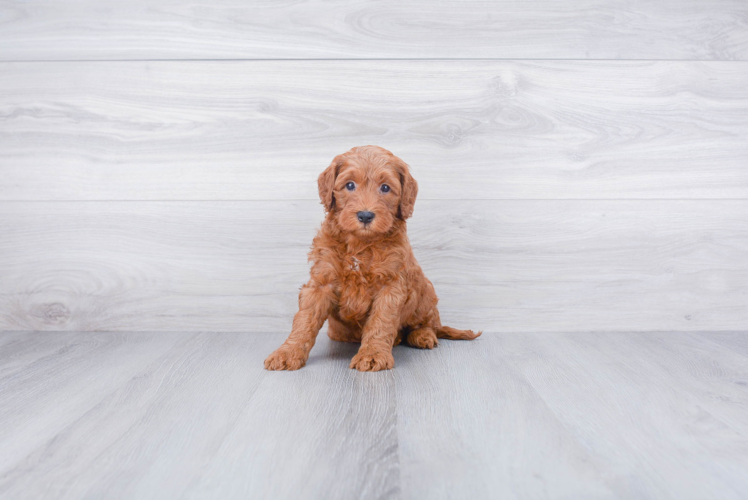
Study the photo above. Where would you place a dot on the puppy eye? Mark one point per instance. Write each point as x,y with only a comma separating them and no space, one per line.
350,186
385,188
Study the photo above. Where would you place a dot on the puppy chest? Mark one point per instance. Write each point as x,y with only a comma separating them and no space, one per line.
354,301
357,290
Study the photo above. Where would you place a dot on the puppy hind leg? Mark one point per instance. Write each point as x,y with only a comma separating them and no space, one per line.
423,338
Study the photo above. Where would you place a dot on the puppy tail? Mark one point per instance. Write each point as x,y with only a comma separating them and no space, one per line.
445,332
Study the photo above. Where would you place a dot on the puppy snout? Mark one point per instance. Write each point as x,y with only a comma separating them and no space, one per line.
365,217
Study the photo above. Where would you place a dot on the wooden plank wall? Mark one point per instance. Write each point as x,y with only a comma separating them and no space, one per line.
583,165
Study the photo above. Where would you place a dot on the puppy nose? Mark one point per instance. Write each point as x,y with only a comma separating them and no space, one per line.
365,217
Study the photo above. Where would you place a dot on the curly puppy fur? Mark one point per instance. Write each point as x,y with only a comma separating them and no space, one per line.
365,280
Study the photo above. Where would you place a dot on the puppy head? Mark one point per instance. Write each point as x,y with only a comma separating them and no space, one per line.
367,189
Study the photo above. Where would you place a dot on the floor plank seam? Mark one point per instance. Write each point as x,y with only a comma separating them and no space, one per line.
355,59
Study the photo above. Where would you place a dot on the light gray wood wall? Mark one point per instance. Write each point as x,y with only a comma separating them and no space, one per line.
352,29
583,165
497,264
260,130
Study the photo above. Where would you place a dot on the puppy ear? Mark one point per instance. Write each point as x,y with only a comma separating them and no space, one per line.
409,191
326,183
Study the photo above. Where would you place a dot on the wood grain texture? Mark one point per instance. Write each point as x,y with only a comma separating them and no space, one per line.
91,366
497,265
518,415
593,415
234,29
323,432
736,341
685,431
472,426
470,129
204,420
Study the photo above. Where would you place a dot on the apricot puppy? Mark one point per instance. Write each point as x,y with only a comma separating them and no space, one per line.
365,280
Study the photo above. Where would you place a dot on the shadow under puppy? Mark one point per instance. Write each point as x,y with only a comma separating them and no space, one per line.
365,280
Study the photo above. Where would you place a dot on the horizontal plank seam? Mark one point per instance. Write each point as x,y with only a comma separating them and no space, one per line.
283,334
514,59
284,200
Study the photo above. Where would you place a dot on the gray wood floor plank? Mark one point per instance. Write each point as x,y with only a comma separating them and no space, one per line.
515,415
18,350
659,436
52,392
323,432
693,366
11,338
497,265
736,341
566,416
243,130
471,426
579,29
160,427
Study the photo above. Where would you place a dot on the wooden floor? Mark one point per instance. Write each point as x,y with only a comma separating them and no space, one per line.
514,415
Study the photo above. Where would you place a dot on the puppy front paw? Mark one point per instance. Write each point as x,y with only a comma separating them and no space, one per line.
369,360
286,358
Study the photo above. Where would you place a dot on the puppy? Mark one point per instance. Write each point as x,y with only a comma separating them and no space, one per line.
365,280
